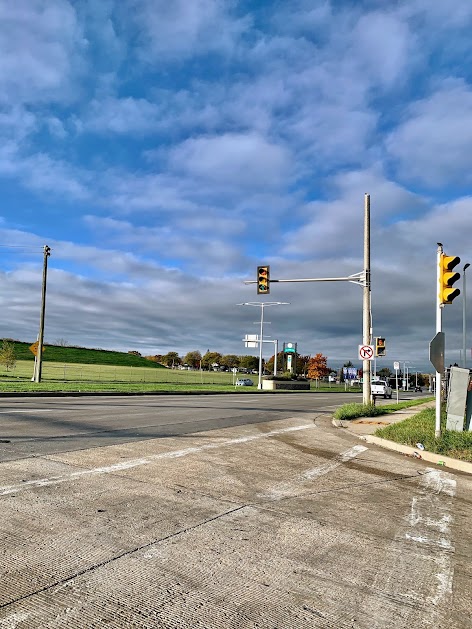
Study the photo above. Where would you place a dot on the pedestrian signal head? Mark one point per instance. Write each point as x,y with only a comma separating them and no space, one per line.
263,280
380,347
448,277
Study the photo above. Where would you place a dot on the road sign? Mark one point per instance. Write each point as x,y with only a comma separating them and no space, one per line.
366,352
396,365
436,352
290,348
34,348
251,340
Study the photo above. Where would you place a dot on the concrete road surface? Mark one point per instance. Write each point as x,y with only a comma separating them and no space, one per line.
265,518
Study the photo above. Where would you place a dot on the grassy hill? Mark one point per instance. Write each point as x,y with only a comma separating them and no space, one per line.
72,354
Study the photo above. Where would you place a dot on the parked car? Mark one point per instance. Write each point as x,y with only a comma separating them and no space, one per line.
244,382
381,388
418,389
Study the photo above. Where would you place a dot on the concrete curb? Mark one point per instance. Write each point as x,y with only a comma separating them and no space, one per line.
431,457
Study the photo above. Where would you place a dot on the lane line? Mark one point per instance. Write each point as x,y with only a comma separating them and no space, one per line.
132,463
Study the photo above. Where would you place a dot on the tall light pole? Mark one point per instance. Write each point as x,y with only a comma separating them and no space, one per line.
262,305
464,318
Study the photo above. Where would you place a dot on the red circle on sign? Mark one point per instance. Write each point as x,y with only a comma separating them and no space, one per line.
366,352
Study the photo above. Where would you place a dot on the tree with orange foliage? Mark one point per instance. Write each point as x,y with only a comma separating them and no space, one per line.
318,367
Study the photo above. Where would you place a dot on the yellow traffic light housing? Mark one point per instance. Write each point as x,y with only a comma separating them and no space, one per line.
380,347
263,280
448,277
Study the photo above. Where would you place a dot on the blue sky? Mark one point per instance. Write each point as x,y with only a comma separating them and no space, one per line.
164,150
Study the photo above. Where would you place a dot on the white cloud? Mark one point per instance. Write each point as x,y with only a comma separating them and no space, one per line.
233,159
43,174
200,243
40,51
181,28
433,144
382,45
121,116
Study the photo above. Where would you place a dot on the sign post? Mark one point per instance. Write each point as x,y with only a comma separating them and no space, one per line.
436,357
396,366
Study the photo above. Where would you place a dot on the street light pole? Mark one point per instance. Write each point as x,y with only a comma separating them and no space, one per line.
464,318
262,305
261,338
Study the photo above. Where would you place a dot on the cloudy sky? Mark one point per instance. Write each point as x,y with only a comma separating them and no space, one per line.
165,149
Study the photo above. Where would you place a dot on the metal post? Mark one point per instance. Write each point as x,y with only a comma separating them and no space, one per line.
261,337
39,355
464,318
437,431
276,344
366,306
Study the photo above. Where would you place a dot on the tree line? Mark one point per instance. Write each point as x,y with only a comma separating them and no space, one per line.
315,367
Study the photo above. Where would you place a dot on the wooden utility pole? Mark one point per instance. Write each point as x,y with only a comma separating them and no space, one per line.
39,355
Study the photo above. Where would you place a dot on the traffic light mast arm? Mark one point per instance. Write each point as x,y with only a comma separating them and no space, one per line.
356,278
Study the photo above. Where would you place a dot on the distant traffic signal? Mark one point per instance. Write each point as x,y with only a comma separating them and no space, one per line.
448,277
263,280
380,347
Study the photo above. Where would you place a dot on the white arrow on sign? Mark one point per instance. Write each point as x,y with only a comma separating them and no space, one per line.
366,352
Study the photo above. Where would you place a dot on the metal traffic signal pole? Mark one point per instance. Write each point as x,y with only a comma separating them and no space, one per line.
264,281
439,307
366,306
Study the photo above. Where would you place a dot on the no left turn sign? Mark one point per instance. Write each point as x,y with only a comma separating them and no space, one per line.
366,352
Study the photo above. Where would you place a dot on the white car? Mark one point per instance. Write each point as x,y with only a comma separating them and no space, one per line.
381,388
244,382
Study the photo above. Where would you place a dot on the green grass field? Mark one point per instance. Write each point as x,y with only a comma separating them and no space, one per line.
86,377
72,369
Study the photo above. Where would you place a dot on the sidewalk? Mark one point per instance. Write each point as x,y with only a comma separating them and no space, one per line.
365,427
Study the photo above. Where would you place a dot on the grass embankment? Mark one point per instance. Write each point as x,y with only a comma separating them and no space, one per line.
420,428
83,355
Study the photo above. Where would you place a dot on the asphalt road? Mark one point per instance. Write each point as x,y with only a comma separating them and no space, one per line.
222,511
37,426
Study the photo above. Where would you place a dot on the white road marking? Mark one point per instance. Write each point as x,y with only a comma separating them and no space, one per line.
29,410
430,522
126,465
283,490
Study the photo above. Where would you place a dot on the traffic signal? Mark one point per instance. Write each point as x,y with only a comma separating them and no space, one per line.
447,277
380,348
263,280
